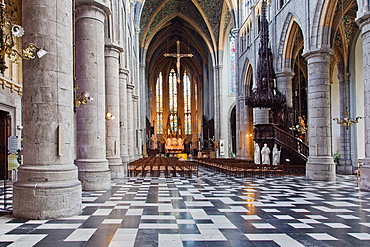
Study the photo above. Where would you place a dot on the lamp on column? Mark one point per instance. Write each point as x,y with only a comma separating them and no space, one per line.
8,32
109,116
82,98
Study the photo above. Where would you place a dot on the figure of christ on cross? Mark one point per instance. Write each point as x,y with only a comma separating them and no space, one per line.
178,56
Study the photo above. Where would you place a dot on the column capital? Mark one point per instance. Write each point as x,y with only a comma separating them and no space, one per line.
321,55
97,3
217,67
235,31
363,22
284,74
114,47
343,77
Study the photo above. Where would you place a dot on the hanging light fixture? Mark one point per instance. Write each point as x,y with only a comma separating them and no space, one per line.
347,121
8,32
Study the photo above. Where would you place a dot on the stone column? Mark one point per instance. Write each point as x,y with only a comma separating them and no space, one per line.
130,122
91,159
345,162
241,125
123,76
284,85
363,21
250,131
48,185
136,127
320,164
112,53
217,101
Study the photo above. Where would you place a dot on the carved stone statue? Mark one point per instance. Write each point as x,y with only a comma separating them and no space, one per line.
257,156
275,155
265,152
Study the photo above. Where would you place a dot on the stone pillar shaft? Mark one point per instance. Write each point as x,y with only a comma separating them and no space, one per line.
345,163
285,85
48,185
241,126
136,127
320,165
123,115
130,122
112,53
91,159
217,102
364,22
250,132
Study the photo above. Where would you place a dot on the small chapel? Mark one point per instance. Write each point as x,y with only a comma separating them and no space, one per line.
100,96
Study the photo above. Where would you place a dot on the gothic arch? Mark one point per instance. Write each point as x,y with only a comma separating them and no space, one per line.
286,26
288,50
245,75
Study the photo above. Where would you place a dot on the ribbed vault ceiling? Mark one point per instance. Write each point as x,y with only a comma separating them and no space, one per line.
200,26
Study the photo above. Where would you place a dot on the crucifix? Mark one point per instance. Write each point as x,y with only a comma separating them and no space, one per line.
178,56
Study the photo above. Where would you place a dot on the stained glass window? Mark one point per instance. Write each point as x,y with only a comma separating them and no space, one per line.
187,104
173,91
173,100
159,104
232,64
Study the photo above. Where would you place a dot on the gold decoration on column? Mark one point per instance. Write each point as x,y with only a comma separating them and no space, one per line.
8,32
82,98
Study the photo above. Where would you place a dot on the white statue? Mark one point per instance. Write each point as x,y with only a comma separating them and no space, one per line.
257,156
275,155
265,152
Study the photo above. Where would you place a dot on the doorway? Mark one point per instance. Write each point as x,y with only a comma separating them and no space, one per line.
5,121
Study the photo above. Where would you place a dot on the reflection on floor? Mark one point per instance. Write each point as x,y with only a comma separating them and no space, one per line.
211,210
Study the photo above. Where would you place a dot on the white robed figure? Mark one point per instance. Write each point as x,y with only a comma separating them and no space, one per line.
275,155
257,156
265,152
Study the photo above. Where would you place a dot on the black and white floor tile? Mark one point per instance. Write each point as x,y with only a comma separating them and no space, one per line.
210,210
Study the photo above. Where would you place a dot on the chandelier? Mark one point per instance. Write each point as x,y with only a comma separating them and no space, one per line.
347,121
8,33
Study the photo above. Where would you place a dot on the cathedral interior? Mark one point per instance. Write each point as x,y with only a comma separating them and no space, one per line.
184,123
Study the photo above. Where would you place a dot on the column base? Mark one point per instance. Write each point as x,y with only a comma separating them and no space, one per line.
321,168
125,158
47,192
94,174
131,158
116,167
345,167
365,178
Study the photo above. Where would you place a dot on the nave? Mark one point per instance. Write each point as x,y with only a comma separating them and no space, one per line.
210,210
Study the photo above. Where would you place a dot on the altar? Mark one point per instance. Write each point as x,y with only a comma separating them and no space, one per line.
174,145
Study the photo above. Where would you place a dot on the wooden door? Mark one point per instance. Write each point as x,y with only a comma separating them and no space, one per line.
5,121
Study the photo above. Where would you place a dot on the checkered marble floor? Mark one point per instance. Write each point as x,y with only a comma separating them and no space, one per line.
211,210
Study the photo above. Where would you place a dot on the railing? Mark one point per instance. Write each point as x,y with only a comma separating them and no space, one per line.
273,134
